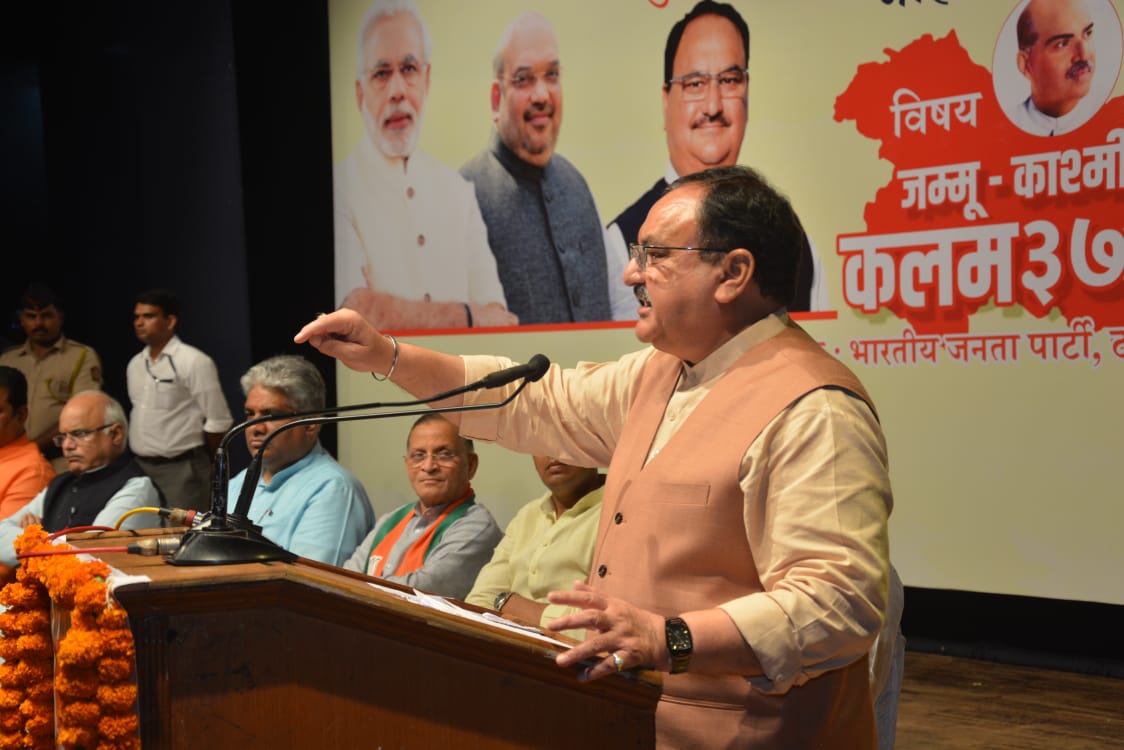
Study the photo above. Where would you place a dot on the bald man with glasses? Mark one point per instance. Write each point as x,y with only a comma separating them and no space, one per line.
543,224
439,543
102,484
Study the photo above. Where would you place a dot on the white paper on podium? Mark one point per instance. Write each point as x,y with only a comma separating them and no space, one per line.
490,619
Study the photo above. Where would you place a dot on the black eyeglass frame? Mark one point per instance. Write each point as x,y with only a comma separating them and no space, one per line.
739,87
79,436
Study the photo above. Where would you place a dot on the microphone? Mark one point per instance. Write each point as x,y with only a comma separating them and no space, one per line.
224,538
535,368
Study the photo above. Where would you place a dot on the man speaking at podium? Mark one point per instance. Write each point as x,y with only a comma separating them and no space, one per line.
742,545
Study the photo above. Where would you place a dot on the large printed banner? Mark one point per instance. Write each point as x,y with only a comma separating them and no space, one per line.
987,207
958,166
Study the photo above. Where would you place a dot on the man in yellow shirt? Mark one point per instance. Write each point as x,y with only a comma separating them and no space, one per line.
546,547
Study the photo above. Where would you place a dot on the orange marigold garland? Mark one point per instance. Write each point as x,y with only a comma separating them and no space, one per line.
26,710
90,677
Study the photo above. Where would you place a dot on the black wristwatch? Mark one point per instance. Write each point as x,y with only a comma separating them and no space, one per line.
500,600
679,643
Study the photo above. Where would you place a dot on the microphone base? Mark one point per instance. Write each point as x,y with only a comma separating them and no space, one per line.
227,546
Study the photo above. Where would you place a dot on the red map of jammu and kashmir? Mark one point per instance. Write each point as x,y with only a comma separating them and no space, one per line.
1067,248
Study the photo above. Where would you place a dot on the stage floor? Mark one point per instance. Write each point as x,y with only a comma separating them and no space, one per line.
951,703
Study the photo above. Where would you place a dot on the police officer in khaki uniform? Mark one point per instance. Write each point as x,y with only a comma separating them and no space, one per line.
55,367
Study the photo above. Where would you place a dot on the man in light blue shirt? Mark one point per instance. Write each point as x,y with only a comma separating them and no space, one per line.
304,500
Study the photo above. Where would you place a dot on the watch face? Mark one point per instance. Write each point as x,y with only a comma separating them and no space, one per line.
678,636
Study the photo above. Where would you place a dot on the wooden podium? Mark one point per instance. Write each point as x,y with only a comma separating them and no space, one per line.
308,656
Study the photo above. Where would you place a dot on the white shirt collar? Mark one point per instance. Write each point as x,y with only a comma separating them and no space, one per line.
722,358
1051,125
670,175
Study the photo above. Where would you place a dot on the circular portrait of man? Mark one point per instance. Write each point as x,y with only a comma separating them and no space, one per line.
1056,63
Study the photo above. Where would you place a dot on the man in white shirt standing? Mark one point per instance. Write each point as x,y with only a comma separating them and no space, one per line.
179,411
